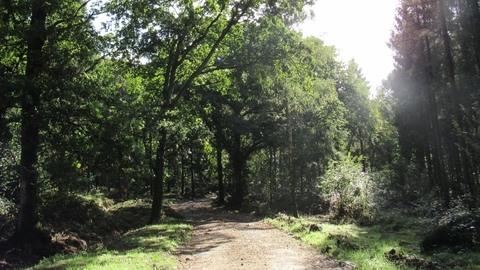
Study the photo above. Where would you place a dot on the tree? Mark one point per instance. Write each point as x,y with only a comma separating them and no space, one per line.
40,62
450,70
434,45
180,40
353,91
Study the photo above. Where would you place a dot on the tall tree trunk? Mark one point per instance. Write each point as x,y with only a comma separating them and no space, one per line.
238,192
221,189
302,183
362,153
183,176
192,176
270,176
26,234
437,153
465,166
158,179
199,170
237,164
475,20
428,154
291,170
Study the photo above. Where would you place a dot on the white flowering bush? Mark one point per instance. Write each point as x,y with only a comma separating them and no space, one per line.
348,190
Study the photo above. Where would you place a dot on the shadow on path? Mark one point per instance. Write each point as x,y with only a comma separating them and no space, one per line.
224,239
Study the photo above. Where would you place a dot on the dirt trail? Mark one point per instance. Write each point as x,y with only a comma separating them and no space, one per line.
226,241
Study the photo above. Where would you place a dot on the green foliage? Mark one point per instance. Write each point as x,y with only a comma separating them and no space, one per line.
392,243
457,230
99,198
6,208
176,80
437,62
58,208
115,234
109,260
7,214
165,236
348,190
143,248
9,158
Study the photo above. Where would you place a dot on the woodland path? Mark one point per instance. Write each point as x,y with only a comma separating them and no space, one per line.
222,240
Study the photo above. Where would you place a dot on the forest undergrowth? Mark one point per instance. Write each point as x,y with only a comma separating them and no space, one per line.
408,236
102,233
92,232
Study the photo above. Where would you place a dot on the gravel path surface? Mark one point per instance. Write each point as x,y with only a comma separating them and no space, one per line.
223,240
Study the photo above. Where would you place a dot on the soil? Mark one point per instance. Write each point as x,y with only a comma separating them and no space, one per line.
226,240
221,240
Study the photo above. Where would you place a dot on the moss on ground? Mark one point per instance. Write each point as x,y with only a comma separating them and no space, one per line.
390,244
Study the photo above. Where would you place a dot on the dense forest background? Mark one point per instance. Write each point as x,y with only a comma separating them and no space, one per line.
195,97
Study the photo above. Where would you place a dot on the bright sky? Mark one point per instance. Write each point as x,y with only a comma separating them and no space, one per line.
359,29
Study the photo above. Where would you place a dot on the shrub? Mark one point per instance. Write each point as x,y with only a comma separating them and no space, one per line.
7,209
63,207
348,190
9,173
458,231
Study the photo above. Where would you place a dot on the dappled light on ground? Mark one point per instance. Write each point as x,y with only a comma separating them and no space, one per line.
229,240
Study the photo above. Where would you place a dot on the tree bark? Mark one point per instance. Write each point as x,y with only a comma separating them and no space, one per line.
26,234
437,153
271,176
475,19
362,153
192,176
291,170
465,167
199,169
183,176
158,179
237,164
221,189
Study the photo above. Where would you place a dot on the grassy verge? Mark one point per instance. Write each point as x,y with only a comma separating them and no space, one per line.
115,234
390,245
148,247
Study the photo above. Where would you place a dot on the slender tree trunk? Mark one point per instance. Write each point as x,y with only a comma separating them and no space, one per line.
291,170
199,170
237,164
26,234
270,177
192,175
475,19
302,183
238,192
465,166
362,152
27,216
426,143
183,176
159,175
276,172
371,153
221,189
428,159
437,153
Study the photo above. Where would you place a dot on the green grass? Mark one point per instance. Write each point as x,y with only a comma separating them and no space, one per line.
100,199
467,260
366,246
149,247
363,246
109,260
